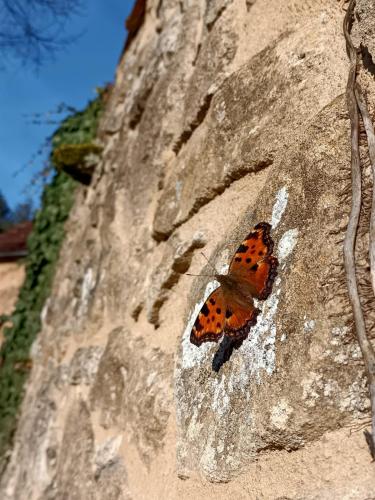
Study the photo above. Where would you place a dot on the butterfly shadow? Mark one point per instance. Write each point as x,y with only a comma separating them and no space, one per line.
225,351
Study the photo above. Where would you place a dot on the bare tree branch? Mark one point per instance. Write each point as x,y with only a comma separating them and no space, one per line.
33,30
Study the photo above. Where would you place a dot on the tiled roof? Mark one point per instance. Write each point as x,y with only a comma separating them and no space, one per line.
13,241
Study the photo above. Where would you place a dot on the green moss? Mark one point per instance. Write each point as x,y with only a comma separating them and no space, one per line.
44,246
73,154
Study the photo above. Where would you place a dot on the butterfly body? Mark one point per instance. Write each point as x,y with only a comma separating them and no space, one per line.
230,309
236,288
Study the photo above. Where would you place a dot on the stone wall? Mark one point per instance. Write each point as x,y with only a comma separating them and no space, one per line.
224,113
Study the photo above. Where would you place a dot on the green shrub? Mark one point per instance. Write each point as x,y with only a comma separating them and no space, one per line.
43,250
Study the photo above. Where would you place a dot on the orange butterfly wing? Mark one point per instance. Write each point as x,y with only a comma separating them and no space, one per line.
254,262
210,321
239,320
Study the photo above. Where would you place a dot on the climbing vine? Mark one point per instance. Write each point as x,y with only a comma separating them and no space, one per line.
43,250
357,107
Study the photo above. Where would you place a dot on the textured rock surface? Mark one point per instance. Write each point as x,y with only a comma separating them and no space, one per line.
224,114
11,277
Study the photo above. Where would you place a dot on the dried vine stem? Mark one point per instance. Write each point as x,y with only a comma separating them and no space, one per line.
351,232
369,128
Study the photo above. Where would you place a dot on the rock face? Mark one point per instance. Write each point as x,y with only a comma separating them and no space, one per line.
224,114
12,275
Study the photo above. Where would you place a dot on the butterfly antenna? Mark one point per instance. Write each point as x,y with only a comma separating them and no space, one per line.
208,275
189,274
209,263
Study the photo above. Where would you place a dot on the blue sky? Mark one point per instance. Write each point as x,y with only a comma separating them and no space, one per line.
72,78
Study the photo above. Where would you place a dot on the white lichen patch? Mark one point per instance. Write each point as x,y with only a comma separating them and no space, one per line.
208,461
106,453
340,331
191,354
258,351
310,387
168,43
279,206
280,414
356,352
220,112
309,325
356,398
151,379
88,285
286,244
341,358
330,388
195,425
220,400
314,386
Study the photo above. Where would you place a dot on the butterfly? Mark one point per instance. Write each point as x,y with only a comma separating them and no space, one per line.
230,309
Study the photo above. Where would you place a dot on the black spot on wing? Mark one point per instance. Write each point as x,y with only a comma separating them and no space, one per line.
205,311
242,249
254,267
198,325
238,259
228,313
212,301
